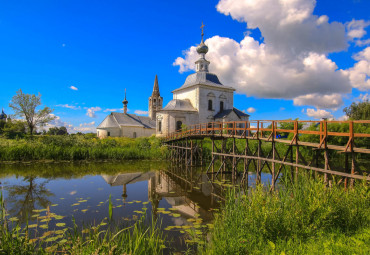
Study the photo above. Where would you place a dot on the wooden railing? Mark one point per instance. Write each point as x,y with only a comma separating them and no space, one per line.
272,130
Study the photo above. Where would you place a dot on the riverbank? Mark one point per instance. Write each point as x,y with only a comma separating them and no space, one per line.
301,218
79,147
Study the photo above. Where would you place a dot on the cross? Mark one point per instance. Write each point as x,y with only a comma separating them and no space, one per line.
202,26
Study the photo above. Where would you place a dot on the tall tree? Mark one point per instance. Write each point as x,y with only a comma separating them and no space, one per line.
24,105
358,111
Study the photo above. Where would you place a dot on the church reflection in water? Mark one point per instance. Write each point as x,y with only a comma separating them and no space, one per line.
188,191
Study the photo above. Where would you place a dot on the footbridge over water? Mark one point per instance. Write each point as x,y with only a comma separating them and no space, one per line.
333,149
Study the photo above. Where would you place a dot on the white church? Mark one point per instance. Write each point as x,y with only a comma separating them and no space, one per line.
201,99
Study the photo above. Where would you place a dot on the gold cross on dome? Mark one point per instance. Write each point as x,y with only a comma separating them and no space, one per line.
202,26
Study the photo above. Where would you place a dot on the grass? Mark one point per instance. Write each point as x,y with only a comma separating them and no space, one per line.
80,147
301,218
112,238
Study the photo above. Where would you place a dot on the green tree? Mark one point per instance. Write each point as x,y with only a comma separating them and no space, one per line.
14,128
57,131
24,105
358,111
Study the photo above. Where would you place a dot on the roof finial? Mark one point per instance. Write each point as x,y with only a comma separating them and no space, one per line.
125,102
202,26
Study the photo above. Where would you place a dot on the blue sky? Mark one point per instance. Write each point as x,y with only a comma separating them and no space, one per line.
102,47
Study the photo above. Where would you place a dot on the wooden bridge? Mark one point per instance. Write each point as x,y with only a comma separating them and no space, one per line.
327,147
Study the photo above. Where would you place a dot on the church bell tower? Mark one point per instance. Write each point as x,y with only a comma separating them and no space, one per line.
155,100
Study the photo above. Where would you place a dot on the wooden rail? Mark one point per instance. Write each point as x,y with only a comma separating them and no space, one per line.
268,130
321,136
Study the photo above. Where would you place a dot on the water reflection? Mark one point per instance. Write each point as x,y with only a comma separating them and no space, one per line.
27,196
176,195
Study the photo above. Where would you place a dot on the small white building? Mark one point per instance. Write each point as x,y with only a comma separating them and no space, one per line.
201,99
118,124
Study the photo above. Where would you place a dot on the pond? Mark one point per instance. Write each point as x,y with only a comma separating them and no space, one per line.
177,196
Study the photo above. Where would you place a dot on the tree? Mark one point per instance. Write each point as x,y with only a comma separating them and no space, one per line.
358,111
14,129
57,131
24,105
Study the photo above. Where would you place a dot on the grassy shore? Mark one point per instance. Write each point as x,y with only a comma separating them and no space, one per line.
301,218
80,147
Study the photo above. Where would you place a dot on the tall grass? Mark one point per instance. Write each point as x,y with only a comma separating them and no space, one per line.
80,147
301,218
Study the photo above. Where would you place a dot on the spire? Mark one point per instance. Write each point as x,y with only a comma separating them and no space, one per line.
202,49
156,87
125,102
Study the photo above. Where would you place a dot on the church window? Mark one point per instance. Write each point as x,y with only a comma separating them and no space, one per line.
178,125
159,126
210,105
134,135
221,106
108,133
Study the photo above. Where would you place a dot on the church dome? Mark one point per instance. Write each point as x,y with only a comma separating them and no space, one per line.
202,48
3,116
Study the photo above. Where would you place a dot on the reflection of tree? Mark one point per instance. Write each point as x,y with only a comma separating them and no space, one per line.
25,198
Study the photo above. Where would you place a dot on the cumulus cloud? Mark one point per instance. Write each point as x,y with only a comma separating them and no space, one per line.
356,30
140,112
364,97
113,110
343,118
73,107
73,88
318,113
83,127
332,101
91,111
291,61
359,75
251,109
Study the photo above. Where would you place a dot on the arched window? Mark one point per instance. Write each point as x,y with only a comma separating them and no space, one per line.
221,106
178,125
159,126
134,135
209,105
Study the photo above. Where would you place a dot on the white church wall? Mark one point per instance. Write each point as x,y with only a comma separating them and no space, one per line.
190,93
125,131
114,132
218,95
133,132
170,119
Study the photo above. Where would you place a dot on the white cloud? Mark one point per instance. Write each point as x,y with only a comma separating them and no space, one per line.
73,107
73,88
91,111
251,109
140,112
318,113
83,127
292,60
113,109
359,75
343,118
356,30
363,97
332,101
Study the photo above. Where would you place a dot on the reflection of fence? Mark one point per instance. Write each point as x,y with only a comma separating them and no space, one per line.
320,136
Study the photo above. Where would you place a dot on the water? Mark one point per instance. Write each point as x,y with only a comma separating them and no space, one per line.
174,195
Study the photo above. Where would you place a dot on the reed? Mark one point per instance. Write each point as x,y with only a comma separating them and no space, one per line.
80,147
301,218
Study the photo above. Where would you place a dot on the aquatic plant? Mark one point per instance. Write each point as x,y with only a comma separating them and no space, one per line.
104,238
